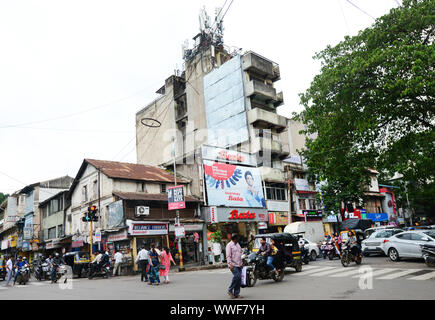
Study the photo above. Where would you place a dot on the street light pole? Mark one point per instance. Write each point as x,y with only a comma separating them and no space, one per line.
177,223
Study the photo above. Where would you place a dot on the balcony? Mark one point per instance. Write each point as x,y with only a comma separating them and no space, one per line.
263,119
272,174
256,64
262,143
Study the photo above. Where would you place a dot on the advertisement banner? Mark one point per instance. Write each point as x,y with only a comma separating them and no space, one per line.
302,185
278,218
176,198
230,185
116,215
145,228
119,236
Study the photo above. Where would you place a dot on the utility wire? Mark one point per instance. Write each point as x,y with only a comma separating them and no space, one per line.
227,9
360,9
344,16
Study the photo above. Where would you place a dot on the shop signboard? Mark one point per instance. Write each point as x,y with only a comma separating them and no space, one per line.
293,159
53,245
278,218
237,215
77,244
213,218
262,225
26,246
35,246
233,186
377,217
179,231
116,214
230,156
331,219
188,227
4,244
118,236
12,241
176,198
313,214
97,235
147,228
277,205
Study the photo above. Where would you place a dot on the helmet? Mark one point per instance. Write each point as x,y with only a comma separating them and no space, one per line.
57,254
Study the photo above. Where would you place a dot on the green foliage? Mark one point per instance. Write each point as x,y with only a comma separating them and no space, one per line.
373,104
3,197
216,236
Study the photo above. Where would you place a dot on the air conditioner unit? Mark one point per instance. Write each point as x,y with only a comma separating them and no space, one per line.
142,211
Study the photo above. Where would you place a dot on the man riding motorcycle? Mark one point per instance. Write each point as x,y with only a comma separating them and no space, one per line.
18,265
56,262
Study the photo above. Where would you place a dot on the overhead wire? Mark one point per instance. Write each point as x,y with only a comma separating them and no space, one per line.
360,9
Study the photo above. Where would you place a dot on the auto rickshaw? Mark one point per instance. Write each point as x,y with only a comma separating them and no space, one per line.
79,262
2,268
292,253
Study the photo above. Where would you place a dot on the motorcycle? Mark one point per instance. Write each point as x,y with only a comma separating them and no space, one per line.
428,254
249,276
60,272
305,255
23,274
347,256
332,251
97,271
42,272
261,271
324,249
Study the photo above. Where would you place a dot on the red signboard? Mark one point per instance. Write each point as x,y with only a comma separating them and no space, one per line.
176,198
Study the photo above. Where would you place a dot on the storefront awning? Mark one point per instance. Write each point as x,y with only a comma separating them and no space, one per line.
149,196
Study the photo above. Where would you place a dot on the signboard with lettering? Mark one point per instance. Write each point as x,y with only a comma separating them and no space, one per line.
222,214
230,156
233,186
118,236
176,198
179,231
313,214
147,228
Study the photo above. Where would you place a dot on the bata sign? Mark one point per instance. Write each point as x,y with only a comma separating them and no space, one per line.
231,156
224,155
242,215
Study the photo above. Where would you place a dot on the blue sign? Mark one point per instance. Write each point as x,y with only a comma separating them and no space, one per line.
26,246
376,217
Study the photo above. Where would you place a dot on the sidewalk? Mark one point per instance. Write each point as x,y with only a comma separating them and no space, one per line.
197,268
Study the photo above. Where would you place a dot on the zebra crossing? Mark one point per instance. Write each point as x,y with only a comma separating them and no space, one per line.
31,284
353,272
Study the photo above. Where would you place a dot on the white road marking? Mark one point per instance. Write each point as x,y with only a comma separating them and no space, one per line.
351,272
304,273
37,283
306,267
399,274
425,276
324,273
379,272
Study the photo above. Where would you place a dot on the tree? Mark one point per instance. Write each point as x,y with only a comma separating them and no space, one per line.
373,104
3,197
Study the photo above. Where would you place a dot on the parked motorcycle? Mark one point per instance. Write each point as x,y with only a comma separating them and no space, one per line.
97,271
428,254
23,274
260,270
347,256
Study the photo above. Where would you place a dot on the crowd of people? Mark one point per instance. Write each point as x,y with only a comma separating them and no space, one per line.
154,263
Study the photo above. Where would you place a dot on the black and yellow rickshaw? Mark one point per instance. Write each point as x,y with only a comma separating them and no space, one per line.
2,268
289,244
79,262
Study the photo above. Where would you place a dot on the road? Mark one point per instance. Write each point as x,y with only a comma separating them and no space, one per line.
321,279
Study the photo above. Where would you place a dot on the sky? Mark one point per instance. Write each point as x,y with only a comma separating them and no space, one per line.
73,74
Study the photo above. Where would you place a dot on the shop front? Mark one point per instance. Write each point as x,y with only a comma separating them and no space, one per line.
119,241
191,243
330,224
224,221
278,216
379,219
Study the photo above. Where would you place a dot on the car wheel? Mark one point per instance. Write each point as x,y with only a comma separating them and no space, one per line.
313,255
298,267
393,255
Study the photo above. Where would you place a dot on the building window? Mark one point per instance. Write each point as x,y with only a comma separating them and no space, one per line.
85,194
298,175
302,204
312,204
60,231
95,189
276,191
142,187
52,233
60,204
163,188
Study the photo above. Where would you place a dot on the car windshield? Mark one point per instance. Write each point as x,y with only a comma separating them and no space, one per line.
430,234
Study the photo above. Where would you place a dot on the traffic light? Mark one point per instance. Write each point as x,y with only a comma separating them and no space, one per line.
92,210
91,215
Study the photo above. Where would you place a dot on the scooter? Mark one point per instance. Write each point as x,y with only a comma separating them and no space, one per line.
61,272
332,251
96,271
23,274
42,272
428,254
324,249
347,256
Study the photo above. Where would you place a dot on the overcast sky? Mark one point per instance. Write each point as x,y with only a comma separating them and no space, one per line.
89,66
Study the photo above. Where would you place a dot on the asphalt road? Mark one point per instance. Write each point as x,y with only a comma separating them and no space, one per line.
321,279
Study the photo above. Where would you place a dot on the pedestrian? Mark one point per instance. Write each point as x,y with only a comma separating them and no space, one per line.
196,244
234,260
118,260
154,261
165,265
9,270
142,261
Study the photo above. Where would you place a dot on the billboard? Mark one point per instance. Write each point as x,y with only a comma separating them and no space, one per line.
233,186
116,214
176,198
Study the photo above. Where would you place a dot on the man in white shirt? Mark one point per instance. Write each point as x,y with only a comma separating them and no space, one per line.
9,268
142,261
118,260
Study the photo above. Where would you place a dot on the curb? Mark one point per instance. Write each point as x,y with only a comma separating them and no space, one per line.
210,267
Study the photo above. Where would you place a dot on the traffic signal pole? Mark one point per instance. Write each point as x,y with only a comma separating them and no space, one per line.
91,240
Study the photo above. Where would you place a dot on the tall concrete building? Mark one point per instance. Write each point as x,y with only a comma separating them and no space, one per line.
222,110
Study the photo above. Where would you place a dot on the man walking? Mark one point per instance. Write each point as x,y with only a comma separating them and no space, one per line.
9,270
234,260
118,260
142,261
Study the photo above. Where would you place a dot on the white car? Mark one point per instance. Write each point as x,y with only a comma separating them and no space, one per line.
407,244
374,244
368,232
313,249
